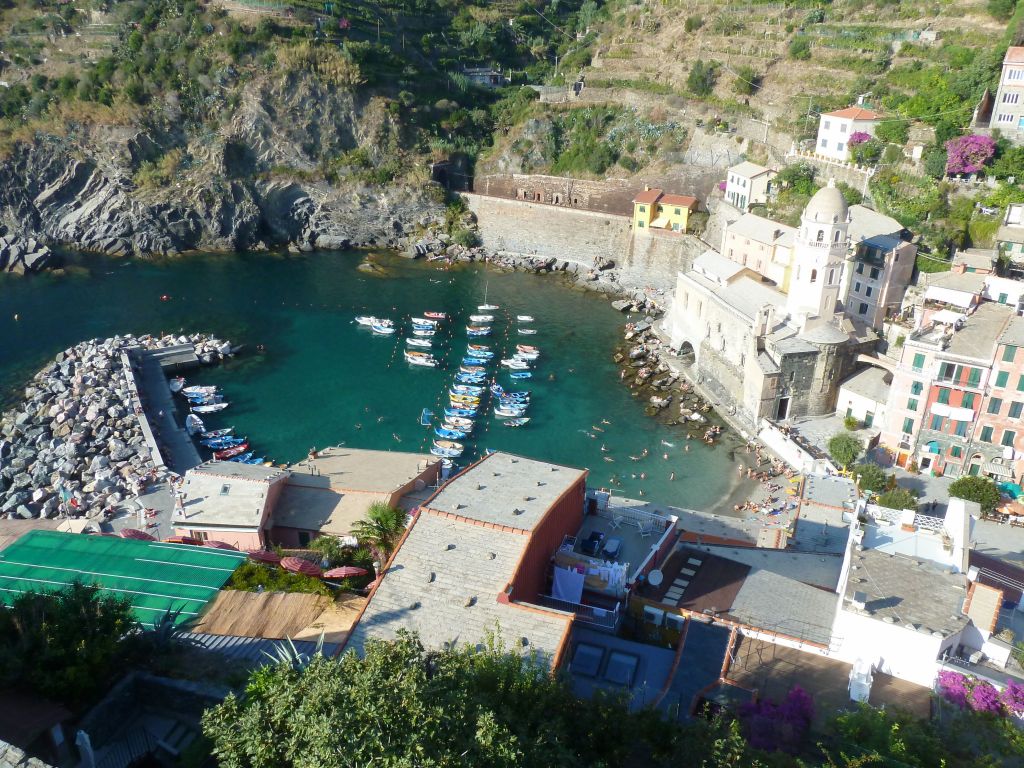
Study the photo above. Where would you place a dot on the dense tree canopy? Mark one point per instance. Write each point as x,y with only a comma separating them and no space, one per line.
979,489
844,449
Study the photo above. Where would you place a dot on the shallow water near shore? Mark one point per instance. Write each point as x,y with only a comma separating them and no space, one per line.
323,380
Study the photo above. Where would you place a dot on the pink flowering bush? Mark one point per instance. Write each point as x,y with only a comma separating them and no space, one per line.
979,695
1013,697
782,726
969,154
953,688
858,137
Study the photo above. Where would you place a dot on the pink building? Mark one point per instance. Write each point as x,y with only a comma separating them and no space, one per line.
998,447
230,502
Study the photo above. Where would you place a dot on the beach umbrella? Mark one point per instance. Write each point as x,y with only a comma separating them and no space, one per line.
345,572
264,556
133,533
220,545
298,565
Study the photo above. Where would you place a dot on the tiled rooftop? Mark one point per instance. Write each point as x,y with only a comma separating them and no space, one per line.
504,489
914,593
444,584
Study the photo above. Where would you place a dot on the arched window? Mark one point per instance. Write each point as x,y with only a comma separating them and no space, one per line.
835,238
814,275
831,276
821,235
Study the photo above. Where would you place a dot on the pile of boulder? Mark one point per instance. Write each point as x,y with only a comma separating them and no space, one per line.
77,432
21,255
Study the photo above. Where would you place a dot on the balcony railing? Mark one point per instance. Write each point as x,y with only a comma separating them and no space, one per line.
588,614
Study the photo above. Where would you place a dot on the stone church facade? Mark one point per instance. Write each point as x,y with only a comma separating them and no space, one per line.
765,353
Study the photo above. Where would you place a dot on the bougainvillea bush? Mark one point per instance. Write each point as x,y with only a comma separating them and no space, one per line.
781,726
968,692
969,154
858,137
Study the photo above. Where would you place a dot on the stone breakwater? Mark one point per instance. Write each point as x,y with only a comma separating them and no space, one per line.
78,430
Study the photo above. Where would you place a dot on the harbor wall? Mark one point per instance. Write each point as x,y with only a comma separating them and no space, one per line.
536,229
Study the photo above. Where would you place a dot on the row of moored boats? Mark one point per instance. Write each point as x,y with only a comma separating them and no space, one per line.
222,442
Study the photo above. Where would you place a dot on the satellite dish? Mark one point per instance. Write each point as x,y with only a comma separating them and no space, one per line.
655,577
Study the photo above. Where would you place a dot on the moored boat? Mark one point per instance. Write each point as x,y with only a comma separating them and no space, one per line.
383,330
527,331
422,333
480,347
459,422
517,422
425,416
450,445
436,315
241,458
508,412
464,368
482,318
453,434
462,413
520,374
515,365
227,453
224,432
366,320
478,330
487,307
176,383
424,321
527,349
422,343
195,389
524,318
212,408
194,425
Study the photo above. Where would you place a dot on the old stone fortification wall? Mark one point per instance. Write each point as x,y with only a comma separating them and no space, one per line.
611,196
537,229
580,237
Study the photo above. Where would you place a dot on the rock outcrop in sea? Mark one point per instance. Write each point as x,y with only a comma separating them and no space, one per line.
76,430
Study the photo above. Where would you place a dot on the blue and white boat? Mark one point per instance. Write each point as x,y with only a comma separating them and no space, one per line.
210,408
219,443
422,343
451,434
478,330
480,354
465,389
383,330
470,378
459,424
241,458
214,434
520,374
422,332
425,415
464,368
509,412
257,461
423,327
517,422
464,413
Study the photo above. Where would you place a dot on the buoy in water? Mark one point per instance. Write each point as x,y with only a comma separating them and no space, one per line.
165,297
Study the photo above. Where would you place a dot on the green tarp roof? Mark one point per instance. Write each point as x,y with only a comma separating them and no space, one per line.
155,576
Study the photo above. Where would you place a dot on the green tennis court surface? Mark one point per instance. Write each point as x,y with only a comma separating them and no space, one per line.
155,576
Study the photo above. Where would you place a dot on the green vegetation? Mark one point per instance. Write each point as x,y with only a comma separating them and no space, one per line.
851,423
979,489
256,577
800,48
693,23
381,529
66,645
871,477
844,449
897,498
747,81
701,80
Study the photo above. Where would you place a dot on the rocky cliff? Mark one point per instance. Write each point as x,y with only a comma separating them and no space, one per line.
255,181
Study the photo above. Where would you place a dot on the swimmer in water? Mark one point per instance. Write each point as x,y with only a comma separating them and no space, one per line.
608,458
359,426
672,476
605,421
603,448
395,435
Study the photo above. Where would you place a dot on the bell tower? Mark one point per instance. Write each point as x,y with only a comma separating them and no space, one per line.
819,251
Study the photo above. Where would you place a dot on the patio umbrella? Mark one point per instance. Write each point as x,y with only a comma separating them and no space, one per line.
298,565
345,572
264,556
133,533
219,545
183,540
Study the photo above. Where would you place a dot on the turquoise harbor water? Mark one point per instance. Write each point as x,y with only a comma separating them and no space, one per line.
323,380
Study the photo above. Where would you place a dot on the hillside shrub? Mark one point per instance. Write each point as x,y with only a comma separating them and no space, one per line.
893,131
747,81
1001,9
701,80
969,154
800,48
693,23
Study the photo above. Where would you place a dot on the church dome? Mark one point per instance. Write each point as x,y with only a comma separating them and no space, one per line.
828,206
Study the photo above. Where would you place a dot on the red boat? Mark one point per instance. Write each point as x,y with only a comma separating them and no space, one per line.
227,453
436,315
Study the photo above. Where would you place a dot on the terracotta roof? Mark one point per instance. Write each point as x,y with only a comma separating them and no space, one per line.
855,113
1014,55
684,200
648,196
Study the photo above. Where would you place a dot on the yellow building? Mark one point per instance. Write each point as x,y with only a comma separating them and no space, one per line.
653,209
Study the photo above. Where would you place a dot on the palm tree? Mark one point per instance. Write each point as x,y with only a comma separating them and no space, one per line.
381,529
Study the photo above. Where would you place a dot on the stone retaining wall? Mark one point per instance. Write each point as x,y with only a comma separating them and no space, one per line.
136,405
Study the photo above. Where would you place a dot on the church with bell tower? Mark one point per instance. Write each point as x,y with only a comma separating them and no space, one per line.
819,250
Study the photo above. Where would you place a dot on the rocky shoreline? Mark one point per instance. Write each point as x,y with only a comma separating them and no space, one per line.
78,432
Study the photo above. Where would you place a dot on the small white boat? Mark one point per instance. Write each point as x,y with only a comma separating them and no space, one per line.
488,307
424,321
422,333
527,331
524,318
509,411
176,384
194,425
436,315
366,320
197,390
211,408
450,445
526,348
420,358
383,330
515,365
419,342
482,318
529,356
